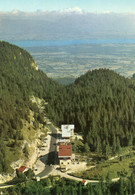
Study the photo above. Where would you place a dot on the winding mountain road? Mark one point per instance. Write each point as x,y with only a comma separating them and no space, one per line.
52,156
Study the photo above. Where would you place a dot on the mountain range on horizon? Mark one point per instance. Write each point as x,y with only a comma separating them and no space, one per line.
65,25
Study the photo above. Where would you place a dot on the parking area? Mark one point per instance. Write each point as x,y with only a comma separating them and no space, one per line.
76,166
40,164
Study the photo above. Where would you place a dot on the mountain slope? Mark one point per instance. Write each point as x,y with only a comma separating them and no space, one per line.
20,79
101,104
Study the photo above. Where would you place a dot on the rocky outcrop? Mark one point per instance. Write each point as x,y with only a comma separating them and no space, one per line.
34,64
5,178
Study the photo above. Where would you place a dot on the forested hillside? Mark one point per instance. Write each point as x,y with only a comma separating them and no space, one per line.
56,186
101,104
19,80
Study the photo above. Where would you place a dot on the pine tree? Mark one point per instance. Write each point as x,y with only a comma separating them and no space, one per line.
121,187
107,150
114,144
86,148
80,188
130,188
118,147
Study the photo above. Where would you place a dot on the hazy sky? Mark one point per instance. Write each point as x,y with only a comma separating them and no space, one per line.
118,6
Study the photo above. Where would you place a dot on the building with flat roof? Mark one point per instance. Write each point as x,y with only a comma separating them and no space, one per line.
67,131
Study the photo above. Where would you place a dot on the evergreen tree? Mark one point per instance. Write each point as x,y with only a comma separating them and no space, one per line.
121,188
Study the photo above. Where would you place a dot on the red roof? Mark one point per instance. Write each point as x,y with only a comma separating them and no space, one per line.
65,150
83,181
22,169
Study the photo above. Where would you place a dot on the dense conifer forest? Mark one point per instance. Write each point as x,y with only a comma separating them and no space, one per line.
19,79
53,186
100,103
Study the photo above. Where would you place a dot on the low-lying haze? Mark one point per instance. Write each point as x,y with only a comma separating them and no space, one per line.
67,24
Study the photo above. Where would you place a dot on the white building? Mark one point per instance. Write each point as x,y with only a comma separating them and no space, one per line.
67,131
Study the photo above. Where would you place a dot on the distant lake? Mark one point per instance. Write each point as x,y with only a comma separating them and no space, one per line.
30,43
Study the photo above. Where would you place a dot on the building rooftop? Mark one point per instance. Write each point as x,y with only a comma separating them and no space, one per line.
22,169
65,151
67,130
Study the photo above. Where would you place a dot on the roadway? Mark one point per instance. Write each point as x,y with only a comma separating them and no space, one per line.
52,156
53,160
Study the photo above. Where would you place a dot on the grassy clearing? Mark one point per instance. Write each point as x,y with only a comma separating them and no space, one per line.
119,167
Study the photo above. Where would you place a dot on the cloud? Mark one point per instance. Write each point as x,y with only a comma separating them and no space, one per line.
73,10
68,23
106,12
15,11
